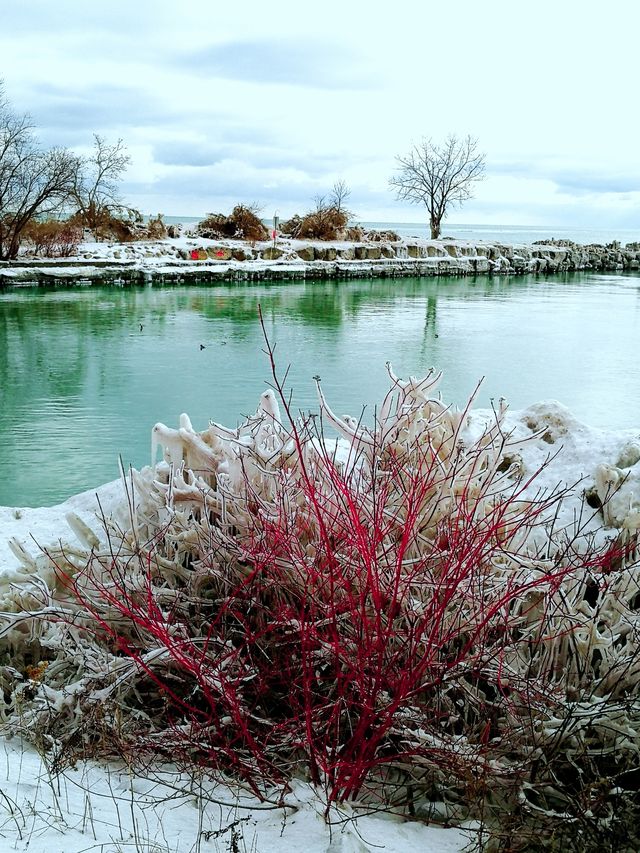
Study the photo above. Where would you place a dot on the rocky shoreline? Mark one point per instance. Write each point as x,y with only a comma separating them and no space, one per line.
196,260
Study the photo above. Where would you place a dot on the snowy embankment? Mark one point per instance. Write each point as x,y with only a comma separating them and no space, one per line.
96,808
188,258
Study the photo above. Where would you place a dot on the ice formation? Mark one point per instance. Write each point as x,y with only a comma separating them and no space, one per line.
193,523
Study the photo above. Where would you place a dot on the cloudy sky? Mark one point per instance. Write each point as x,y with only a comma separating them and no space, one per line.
220,102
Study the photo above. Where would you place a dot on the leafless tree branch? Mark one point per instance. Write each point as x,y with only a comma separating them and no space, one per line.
33,182
439,176
96,191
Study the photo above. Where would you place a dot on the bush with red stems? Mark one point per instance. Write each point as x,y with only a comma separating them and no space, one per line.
392,616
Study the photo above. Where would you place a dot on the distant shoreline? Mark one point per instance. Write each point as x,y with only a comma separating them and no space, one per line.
190,259
477,232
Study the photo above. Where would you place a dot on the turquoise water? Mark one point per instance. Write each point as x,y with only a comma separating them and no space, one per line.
85,372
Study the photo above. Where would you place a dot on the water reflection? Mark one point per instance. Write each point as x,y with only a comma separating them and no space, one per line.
85,372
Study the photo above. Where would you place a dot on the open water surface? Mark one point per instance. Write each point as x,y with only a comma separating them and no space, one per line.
504,234
86,371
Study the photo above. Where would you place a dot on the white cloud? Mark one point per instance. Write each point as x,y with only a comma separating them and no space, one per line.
279,100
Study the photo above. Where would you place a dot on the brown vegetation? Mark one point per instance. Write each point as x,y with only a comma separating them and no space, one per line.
111,226
52,238
156,229
328,221
243,223
323,223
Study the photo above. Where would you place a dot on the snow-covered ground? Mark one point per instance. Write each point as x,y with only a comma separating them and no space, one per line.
109,809
151,252
189,255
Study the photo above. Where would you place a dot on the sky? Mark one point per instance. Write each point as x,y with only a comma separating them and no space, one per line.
272,103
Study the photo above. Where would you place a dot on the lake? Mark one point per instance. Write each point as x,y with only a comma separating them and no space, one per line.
475,232
85,372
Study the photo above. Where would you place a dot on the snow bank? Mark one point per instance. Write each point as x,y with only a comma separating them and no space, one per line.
44,527
190,256
109,809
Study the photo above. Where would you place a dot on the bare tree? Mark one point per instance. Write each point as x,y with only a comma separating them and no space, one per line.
340,192
33,182
439,176
96,192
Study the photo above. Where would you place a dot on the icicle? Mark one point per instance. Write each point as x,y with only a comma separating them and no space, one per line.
25,558
269,405
82,530
169,440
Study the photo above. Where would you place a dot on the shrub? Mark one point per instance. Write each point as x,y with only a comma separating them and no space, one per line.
124,226
242,224
215,226
326,222
400,620
53,238
156,229
291,227
119,229
247,223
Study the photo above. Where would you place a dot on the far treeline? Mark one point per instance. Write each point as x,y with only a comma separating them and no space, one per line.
48,197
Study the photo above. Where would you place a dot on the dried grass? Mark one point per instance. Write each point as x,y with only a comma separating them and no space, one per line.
243,223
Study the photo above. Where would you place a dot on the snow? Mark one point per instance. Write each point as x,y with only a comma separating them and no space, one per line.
168,258
109,809
46,526
151,253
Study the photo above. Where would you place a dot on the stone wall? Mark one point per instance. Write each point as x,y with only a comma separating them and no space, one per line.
163,262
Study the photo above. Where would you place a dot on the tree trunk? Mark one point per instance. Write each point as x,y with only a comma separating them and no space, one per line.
435,228
14,246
